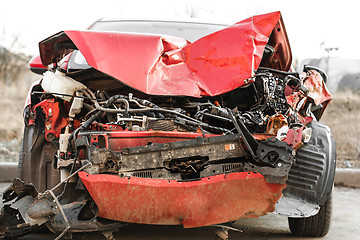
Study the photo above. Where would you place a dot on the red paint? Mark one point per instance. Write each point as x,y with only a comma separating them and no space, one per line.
63,64
318,94
293,137
28,97
163,65
211,200
55,121
117,140
36,62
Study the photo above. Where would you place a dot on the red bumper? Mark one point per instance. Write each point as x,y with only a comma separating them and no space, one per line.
211,200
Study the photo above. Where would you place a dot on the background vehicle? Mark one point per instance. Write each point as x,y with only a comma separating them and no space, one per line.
154,129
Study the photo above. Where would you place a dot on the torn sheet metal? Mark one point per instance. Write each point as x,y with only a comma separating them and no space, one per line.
318,90
164,65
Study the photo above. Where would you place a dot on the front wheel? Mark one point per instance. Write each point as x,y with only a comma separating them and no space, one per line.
314,226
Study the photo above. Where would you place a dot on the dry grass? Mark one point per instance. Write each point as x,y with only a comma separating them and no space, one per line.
12,100
342,115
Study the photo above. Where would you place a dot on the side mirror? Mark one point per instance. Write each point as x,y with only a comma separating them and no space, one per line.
36,65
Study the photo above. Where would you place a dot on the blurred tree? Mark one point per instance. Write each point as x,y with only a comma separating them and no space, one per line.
11,64
12,61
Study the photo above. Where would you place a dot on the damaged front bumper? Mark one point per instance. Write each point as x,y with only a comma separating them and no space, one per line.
194,183
210,200
194,180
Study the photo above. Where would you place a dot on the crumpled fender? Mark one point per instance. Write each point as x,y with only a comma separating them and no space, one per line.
164,65
318,90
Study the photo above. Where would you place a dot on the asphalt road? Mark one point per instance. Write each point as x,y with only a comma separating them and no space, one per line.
345,225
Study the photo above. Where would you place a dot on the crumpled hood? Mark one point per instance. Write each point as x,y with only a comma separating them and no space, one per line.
164,65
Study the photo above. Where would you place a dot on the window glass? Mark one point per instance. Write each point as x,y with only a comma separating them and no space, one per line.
188,30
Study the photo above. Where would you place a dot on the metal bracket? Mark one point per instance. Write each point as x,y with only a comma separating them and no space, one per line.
246,136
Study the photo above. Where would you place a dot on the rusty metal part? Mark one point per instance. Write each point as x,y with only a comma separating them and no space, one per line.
67,224
164,155
35,209
275,123
14,201
55,199
108,234
190,159
222,233
23,210
227,227
164,125
41,209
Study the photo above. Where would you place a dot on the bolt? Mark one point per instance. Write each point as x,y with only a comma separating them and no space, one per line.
51,137
279,164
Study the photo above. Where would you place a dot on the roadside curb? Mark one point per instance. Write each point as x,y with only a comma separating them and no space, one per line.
346,177
8,171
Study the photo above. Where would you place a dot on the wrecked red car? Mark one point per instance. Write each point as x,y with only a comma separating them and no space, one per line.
172,123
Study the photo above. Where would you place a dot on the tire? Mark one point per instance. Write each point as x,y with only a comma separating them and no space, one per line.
314,226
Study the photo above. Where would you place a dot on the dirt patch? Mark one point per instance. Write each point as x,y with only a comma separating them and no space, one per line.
9,150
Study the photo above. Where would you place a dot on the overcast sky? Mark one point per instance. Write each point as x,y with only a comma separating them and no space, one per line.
311,25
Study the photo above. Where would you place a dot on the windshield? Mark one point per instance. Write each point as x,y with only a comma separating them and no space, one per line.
188,30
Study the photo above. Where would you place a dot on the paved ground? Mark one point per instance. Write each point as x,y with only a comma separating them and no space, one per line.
345,225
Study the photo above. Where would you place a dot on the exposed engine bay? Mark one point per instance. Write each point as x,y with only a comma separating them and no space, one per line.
260,108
